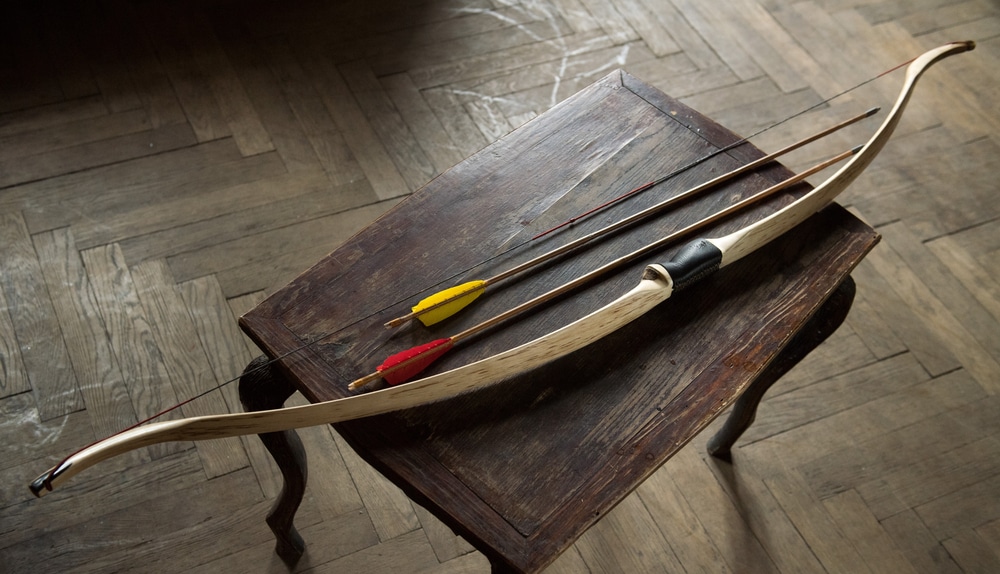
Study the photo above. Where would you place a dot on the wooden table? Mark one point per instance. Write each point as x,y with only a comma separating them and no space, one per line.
523,468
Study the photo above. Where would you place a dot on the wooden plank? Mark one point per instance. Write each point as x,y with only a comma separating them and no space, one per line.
152,530
963,266
73,133
425,126
318,127
613,25
162,28
933,477
489,119
877,279
131,336
506,59
100,41
57,201
777,53
390,510
645,22
680,525
922,549
177,218
249,59
409,552
101,381
516,87
95,154
973,553
288,250
844,351
13,377
725,44
446,544
871,541
220,337
465,52
611,544
234,222
50,116
576,15
684,84
688,40
337,538
174,188
937,320
719,514
837,394
151,82
569,562
392,131
185,363
361,137
966,508
239,112
922,426
449,108
742,482
826,539
120,484
35,325
934,272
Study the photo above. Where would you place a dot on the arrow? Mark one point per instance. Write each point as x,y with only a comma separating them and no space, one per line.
444,304
405,365
691,263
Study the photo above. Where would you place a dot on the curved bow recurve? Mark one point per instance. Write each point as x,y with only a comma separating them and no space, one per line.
693,262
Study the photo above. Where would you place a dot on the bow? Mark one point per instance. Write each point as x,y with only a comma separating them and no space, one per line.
693,262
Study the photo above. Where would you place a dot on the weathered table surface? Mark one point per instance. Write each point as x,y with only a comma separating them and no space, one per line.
522,468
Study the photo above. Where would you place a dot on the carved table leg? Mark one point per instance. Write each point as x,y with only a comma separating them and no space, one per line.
820,326
265,389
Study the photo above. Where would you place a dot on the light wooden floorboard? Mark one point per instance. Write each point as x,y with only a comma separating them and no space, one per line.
166,165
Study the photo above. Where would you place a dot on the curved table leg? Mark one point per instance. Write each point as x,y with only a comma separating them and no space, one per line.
829,317
265,389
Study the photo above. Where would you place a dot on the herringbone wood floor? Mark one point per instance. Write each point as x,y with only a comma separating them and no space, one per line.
164,165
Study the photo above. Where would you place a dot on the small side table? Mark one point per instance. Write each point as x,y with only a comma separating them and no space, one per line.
521,469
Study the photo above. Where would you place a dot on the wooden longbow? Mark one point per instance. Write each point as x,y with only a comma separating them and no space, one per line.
696,260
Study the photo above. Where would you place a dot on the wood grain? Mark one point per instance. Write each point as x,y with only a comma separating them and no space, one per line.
242,142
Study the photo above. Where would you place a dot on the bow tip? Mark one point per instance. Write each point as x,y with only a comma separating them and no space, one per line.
968,45
41,485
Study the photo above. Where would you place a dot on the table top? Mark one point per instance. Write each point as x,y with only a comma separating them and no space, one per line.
523,467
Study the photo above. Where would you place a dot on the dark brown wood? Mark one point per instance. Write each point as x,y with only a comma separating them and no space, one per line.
263,388
521,469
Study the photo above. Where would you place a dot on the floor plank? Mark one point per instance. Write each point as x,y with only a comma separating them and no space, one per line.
164,166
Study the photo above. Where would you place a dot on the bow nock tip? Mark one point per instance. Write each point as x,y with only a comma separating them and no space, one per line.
43,484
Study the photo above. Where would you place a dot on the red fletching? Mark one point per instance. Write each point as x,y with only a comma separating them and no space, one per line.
407,364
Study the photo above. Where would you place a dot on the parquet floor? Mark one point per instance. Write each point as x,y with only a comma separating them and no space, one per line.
164,165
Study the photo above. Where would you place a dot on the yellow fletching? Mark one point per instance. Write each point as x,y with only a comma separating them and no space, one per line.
444,304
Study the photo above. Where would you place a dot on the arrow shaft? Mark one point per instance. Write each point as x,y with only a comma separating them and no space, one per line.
635,218
617,263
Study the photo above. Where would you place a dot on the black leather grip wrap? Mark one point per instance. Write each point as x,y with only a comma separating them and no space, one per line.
695,260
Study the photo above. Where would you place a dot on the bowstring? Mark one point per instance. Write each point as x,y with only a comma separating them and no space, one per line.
508,250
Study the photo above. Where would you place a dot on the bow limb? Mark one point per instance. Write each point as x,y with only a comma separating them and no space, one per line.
696,260
748,239
654,288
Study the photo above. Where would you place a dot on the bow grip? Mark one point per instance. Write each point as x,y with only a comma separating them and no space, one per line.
696,260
